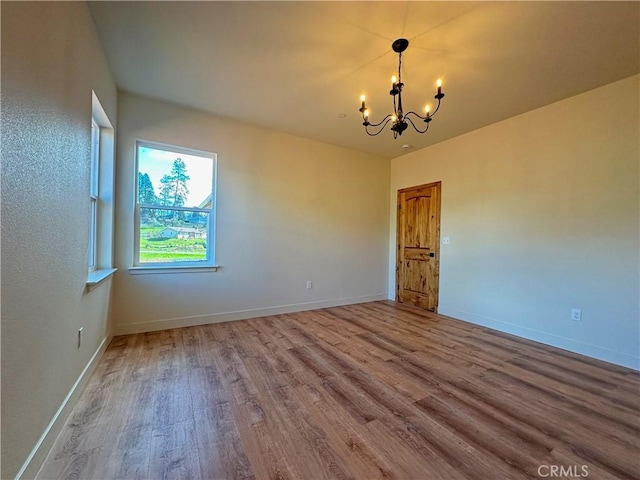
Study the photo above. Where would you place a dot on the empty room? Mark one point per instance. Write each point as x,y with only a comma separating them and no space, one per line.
320,240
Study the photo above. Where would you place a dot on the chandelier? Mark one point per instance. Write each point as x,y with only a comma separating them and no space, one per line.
400,120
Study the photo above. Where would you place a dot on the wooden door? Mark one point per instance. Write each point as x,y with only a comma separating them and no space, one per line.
418,241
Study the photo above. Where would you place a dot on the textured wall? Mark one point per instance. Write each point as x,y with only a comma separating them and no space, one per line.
51,60
289,210
542,212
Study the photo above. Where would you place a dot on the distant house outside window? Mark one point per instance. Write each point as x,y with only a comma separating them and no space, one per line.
175,207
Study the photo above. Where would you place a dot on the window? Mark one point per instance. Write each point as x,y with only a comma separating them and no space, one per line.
100,258
175,207
93,192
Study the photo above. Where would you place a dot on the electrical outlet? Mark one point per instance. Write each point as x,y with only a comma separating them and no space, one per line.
309,284
576,314
446,240
80,336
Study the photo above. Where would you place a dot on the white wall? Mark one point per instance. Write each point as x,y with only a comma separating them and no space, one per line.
289,210
543,215
51,60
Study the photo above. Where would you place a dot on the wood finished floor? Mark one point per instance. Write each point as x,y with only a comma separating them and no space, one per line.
370,391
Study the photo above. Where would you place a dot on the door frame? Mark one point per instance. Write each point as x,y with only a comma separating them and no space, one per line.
438,186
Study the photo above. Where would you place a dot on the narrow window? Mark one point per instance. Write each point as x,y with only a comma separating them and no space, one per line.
175,206
100,258
93,193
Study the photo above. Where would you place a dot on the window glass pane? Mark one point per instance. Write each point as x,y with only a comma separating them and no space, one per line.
176,179
169,236
93,233
95,157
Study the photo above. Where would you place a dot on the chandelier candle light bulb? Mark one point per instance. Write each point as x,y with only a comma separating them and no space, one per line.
399,119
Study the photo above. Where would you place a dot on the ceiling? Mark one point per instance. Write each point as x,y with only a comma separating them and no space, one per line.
297,66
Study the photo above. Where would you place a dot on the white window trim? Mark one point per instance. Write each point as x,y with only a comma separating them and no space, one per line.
145,270
208,265
96,277
104,195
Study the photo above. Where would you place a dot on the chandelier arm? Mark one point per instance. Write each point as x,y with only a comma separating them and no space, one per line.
436,110
416,114
406,117
384,120
425,117
366,128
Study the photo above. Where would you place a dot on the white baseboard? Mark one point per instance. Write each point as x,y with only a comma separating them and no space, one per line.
593,351
39,453
164,324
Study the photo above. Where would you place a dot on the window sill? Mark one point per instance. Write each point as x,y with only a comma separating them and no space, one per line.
96,277
150,270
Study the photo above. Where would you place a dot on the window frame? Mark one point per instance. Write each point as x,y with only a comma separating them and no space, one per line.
208,264
101,195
